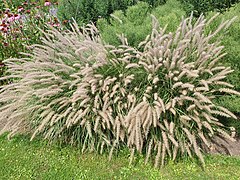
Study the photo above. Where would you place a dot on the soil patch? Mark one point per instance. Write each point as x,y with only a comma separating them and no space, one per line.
225,146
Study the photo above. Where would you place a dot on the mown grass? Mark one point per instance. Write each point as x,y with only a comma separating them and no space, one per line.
22,159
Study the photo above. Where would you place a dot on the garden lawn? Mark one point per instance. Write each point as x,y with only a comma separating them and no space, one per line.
22,159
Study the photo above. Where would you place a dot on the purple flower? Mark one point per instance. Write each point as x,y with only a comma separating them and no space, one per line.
53,12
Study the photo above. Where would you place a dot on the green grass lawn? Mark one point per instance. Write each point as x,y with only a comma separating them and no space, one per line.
22,159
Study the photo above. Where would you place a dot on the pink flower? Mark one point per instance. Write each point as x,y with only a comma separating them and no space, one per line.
4,27
20,9
5,30
2,64
28,11
7,10
47,3
38,16
11,19
55,24
5,43
14,17
17,16
25,3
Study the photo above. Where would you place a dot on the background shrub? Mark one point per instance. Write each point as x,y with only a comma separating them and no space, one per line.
230,39
158,101
135,24
204,6
86,11
154,3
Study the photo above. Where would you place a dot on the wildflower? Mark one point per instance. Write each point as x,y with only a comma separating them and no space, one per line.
7,10
5,44
55,24
56,20
4,28
20,9
53,11
10,18
25,3
2,64
4,25
65,22
17,16
47,3
24,17
38,16
28,11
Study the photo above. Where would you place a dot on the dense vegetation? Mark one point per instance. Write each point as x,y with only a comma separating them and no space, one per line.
146,78
86,11
205,6
230,40
136,22
20,24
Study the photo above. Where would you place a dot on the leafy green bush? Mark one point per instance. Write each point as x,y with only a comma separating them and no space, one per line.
86,11
230,39
135,24
154,3
204,6
158,101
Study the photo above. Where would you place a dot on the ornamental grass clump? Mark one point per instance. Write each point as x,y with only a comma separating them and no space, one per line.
157,101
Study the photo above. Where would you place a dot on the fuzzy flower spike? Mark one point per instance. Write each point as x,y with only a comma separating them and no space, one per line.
158,101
